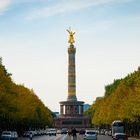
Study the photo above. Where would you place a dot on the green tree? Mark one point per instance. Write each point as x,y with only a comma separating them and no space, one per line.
20,108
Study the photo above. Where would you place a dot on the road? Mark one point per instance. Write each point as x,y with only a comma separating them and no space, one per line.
58,137
99,137
65,137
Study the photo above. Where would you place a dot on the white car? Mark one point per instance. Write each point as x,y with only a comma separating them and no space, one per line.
15,135
90,135
52,132
9,135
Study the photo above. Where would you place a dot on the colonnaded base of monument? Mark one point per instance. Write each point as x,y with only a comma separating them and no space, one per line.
71,115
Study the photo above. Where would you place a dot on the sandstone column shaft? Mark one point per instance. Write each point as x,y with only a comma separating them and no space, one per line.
71,73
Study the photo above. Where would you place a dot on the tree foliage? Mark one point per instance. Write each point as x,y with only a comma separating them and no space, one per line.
20,108
121,101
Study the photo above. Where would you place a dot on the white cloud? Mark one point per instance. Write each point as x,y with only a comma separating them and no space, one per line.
3,5
64,6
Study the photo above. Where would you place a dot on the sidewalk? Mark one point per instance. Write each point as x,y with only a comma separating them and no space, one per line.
133,138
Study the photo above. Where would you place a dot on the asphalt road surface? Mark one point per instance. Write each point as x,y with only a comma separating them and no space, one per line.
99,137
65,137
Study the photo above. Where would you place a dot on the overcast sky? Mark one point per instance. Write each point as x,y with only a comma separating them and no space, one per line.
34,43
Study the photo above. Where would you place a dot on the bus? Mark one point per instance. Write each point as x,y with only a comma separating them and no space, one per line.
117,126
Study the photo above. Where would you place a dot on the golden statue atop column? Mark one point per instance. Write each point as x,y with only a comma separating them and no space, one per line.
71,36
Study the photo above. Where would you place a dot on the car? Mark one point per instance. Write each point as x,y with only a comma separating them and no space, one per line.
120,136
14,135
58,131
102,132
108,132
9,135
82,132
63,131
90,135
6,135
52,132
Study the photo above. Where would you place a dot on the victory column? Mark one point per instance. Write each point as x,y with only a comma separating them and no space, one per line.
71,68
71,111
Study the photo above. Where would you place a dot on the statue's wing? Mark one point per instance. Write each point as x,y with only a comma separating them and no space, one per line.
68,30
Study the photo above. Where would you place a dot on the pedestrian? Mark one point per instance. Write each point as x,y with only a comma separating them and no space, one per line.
69,133
74,133
30,136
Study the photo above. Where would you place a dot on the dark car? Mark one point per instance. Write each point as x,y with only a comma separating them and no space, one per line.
82,132
63,131
120,136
